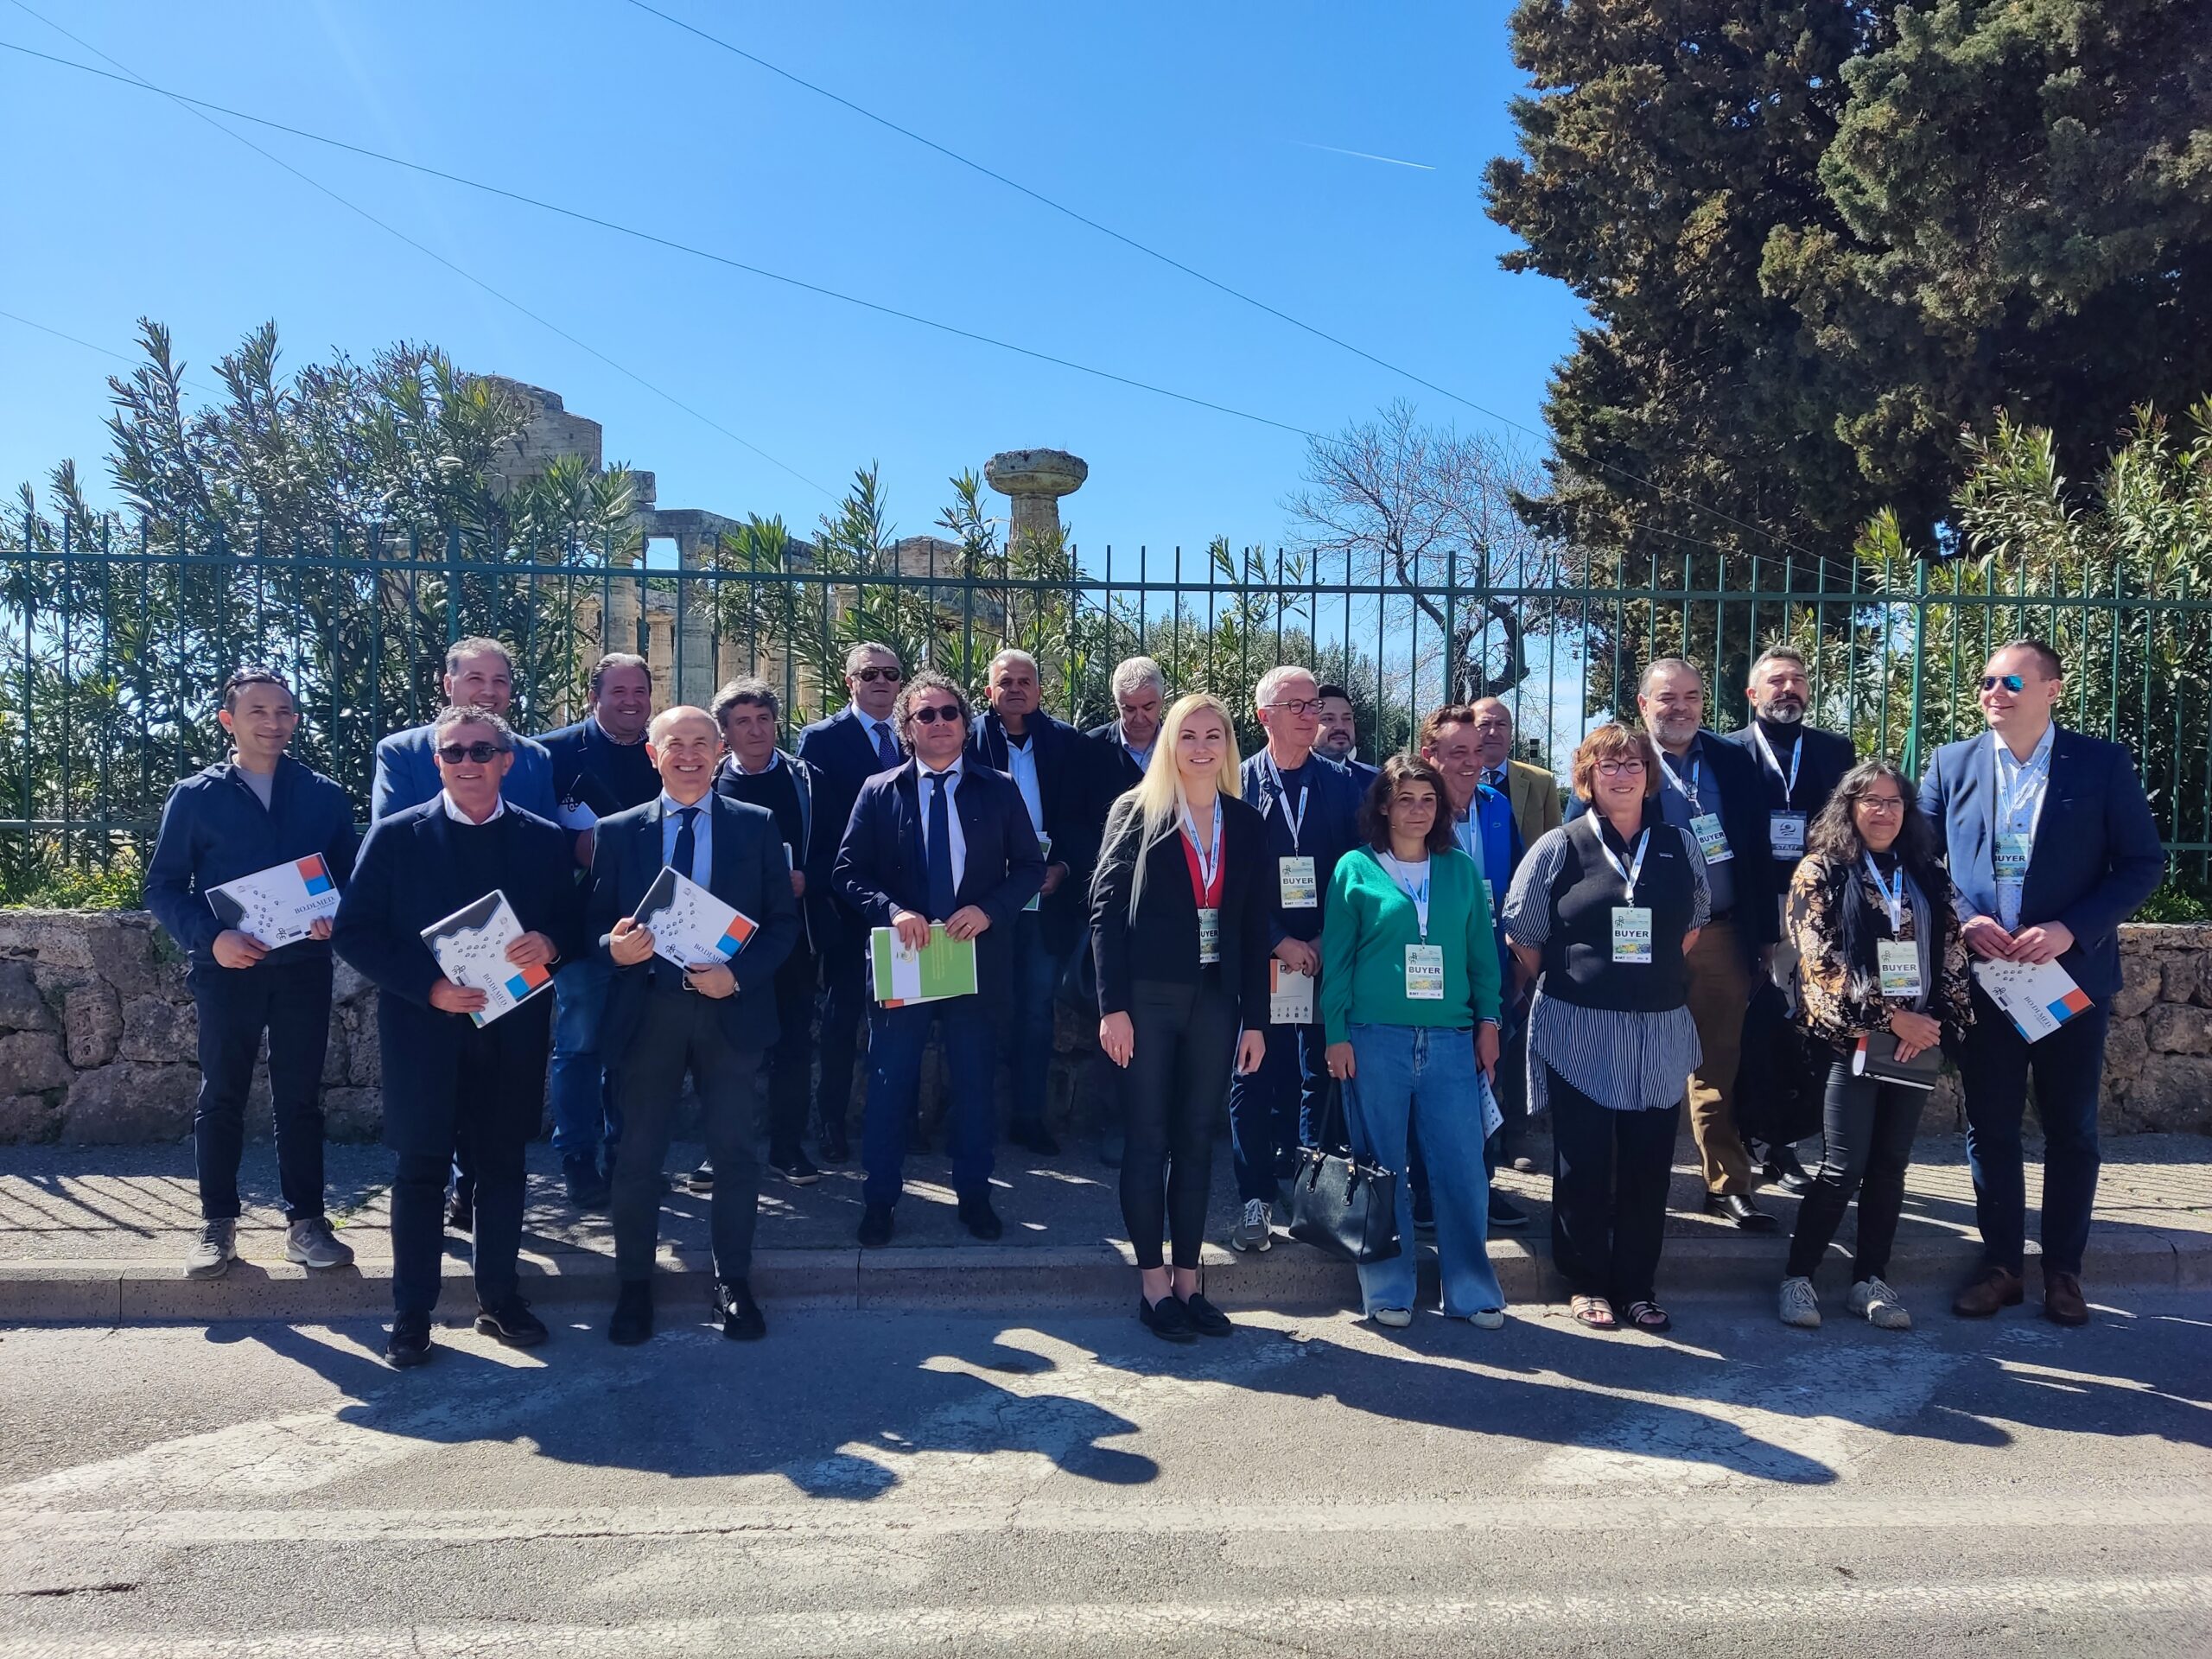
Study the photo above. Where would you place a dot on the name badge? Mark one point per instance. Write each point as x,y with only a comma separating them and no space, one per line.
2010,860
1295,886
1045,852
1631,933
1712,839
1209,933
1425,973
1788,831
1899,962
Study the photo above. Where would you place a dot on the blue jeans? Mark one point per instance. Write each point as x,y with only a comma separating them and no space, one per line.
896,1038
1424,1078
1026,1022
583,1106
1271,1110
1995,1063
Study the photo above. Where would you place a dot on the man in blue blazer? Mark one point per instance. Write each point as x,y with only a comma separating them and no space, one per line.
846,750
448,1080
479,674
2051,846
712,1018
942,839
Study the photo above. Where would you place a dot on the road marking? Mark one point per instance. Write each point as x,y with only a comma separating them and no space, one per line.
1142,1626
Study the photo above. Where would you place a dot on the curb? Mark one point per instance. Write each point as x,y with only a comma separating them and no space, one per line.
1290,1277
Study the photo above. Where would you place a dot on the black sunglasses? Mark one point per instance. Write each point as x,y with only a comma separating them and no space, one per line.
930,714
2010,681
454,754
871,675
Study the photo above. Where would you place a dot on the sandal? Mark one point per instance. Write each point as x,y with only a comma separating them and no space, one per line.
1649,1316
1595,1312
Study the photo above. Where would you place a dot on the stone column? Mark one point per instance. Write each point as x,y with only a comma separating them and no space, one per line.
699,665
1035,479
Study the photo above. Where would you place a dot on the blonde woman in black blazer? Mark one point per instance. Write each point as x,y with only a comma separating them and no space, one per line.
1178,928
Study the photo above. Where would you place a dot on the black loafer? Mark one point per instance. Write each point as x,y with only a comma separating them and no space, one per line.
1783,1169
512,1323
409,1342
1205,1319
587,1188
1166,1318
795,1166
875,1226
1505,1216
979,1218
1739,1210
633,1314
834,1146
742,1320
702,1179
1034,1137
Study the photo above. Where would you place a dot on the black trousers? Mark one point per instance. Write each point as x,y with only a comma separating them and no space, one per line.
1783,1075
291,1001
419,1189
1608,1193
1870,1126
844,1014
681,1031
791,1063
1185,1045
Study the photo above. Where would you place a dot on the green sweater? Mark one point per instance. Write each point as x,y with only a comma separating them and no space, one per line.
1368,923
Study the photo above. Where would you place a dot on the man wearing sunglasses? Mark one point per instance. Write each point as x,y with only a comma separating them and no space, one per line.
448,1081
2051,847
942,839
846,750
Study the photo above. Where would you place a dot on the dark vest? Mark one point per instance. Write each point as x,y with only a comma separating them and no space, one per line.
1578,964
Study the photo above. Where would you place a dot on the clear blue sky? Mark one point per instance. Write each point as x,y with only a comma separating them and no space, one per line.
1193,129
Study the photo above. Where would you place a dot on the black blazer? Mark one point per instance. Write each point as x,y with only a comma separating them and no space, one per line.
747,873
1118,772
881,869
1828,756
406,880
844,758
1066,763
1161,942
816,857
584,770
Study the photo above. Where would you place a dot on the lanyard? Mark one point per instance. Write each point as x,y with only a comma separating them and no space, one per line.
1797,755
1892,895
1418,894
1275,776
1689,790
1206,860
1627,873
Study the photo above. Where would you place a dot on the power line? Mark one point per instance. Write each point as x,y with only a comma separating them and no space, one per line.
103,350
1195,274
652,237
131,78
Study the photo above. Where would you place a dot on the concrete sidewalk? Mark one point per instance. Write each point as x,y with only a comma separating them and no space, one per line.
97,1234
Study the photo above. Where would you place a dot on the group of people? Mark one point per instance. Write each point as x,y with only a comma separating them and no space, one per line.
1408,959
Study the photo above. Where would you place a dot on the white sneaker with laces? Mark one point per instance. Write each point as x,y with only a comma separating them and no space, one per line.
312,1243
1799,1307
1880,1307
1254,1229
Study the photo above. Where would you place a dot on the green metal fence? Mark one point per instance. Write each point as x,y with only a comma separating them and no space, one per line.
114,636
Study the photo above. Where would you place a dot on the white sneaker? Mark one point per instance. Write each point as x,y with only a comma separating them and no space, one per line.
311,1243
1881,1307
215,1251
1487,1318
1396,1318
1254,1229
1799,1307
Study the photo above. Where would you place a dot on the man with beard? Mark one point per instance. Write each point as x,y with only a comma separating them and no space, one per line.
1339,738
1801,765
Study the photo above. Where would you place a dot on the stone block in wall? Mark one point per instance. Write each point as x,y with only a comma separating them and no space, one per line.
32,1061
26,1119
92,1022
1945,1112
2173,1028
157,1032
353,1114
2173,1095
2141,978
347,984
22,1007
363,1056
2126,1050
334,1054
57,938
124,955
128,1104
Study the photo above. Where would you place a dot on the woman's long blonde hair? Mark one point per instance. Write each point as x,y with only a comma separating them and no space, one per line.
1152,808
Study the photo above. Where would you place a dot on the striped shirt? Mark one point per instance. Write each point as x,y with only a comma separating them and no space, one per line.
1627,1061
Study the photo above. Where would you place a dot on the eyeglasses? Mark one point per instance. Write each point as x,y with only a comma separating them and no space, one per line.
454,754
930,714
1883,804
1298,706
871,675
2010,682
1619,768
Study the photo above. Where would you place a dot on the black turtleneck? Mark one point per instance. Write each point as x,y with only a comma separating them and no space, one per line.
1783,737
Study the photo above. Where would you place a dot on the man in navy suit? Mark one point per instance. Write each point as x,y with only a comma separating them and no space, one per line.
1338,737
846,750
1140,689
479,674
712,1017
2051,847
446,1078
942,839
1050,764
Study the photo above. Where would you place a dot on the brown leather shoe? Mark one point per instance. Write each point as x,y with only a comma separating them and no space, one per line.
1994,1288
2062,1302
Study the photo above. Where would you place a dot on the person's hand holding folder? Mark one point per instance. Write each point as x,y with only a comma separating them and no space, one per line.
1915,1033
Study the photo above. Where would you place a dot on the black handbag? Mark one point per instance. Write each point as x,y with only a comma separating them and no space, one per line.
1339,1204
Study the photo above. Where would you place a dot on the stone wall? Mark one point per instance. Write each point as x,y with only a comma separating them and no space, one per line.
98,1032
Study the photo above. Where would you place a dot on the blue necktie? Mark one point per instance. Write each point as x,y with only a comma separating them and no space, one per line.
886,750
940,849
687,844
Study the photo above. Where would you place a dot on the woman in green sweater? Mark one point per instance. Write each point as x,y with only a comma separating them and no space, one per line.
1409,999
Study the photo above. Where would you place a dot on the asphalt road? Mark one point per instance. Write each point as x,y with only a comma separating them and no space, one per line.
980,1484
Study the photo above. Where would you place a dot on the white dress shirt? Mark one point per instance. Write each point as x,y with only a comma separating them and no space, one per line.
1021,766
876,730
952,775
454,811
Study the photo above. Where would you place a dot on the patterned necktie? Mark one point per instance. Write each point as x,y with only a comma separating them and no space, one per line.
886,750
940,848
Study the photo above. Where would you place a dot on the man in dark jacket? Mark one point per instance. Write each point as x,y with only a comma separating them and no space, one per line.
1124,744
944,840
711,1017
256,811
1051,765
444,1075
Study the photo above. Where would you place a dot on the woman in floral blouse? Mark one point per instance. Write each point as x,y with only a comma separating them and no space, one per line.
1871,912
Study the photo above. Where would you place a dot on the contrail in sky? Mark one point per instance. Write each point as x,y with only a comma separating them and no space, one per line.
1363,154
